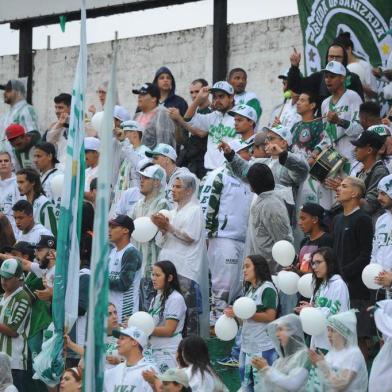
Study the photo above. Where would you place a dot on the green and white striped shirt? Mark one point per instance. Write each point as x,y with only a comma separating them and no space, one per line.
15,311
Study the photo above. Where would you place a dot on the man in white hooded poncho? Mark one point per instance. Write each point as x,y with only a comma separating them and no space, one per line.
290,371
182,241
344,367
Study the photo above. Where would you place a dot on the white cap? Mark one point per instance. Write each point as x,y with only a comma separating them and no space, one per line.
280,130
121,113
11,268
237,145
244,111
155,172
134,333
177,375
336,68
163,149
132,125
92,143
223,86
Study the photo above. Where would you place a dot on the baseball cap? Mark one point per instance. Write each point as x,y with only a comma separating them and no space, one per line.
91,144
380,129
163,149
133,332
131,125
148,88
369,138
11,268
14,130
123,221
244,111
284,74
280,130
14,84
176,375
46,241
121,113
237,145
335,68
49,149
155,172
222,86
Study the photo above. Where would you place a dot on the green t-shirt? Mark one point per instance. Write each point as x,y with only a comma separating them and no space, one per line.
307,135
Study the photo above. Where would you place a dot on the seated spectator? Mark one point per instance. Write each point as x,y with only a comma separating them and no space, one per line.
158,126
71,380
166,84
23,144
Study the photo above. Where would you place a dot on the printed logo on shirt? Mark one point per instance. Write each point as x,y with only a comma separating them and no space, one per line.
124,388
218,132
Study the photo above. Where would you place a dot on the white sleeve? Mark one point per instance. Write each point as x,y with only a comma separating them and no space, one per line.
35,269
355,128
175,308
289,382
201,121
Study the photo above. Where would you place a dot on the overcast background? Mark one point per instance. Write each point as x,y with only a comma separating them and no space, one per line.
153,21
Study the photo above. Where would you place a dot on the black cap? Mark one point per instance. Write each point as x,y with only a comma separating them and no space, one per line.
148,88
369,138
49,149
123,221
23,247
46,241
7,86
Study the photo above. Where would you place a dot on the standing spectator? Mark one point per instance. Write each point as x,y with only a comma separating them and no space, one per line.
245,119
15,310
158,127
166,84
238,78
128,374
166,156
352,244
9,192
124,268
91,148
29,185
268,220
20,111
6,374
152,185
23,144
29,230
218,125
57,134
195,147
316,82
182,241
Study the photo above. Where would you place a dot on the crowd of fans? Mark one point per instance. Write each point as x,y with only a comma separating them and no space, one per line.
222,184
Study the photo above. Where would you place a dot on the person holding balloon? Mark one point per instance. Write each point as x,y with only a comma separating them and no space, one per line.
254,338
168,310
290,371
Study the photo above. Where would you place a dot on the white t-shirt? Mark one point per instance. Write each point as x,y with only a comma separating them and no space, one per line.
9,195
382,242
186,257
46,181
34,235
208,383
47,275
175,309
90,174
128,378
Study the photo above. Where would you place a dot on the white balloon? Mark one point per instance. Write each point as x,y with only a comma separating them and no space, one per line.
143,321
165,213
145,230
244,308
369,273
288,281
226,328
283,253
275,281
96,121
57,186
313,321
305,285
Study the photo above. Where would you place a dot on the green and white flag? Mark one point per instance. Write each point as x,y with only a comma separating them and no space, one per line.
94,360
66,281
367,21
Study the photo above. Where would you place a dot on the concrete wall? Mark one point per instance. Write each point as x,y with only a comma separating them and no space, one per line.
262,48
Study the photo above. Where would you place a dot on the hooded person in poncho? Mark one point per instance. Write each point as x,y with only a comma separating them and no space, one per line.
380,379
344,367
290,371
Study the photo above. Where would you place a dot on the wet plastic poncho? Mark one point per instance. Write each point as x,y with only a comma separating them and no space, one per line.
380,379
343,368
5,372
290,371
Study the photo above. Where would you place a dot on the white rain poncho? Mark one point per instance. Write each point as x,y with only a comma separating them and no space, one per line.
5,372
344,367
380,379
290,371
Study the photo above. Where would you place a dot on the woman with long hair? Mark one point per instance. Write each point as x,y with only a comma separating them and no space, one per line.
193,356
168,310
330,292
254,338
